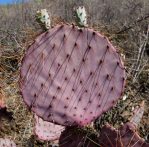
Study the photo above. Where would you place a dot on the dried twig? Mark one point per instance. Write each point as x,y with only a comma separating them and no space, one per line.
137,66
133,24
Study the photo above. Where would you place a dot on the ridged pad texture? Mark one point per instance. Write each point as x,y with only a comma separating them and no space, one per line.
47,130
71,76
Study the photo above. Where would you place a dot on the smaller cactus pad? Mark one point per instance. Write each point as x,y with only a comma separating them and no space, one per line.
6,143
46,130
122,137
71,76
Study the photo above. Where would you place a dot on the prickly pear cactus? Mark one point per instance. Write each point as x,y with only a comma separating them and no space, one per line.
6,143
46,130
127,134
71,76
122,137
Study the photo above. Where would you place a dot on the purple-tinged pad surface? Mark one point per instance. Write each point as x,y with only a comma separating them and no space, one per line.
47,131
71,76
4,142
73,138
126,136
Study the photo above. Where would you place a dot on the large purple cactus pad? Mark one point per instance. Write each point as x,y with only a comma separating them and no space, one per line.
71,76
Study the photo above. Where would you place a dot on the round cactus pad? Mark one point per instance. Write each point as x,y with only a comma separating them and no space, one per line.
71,76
